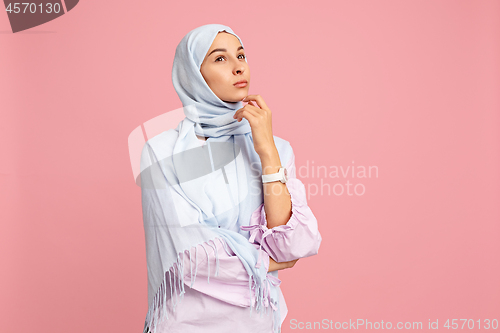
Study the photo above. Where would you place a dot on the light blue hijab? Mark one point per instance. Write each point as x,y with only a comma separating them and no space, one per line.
192,194
213,117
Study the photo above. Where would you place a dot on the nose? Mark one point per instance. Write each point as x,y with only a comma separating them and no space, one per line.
239,69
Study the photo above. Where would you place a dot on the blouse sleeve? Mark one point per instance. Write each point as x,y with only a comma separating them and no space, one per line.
214,269
299,237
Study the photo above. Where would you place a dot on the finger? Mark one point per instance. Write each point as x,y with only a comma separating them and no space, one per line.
235,115
248,115
255,100
258,99
252,111
254,108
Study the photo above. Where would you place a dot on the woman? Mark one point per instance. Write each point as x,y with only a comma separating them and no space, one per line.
215,194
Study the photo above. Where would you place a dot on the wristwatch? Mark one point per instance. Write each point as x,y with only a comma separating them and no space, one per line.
281,175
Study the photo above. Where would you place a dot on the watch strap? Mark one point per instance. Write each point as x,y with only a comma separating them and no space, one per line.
279,176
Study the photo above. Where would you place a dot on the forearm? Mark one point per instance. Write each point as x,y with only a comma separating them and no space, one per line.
277,201
274,266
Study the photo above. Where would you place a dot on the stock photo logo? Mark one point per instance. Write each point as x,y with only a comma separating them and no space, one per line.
214,168
26,15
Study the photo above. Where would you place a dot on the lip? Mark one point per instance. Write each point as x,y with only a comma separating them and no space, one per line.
241,84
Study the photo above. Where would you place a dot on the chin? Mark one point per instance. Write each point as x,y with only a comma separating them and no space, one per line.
236,97
232,101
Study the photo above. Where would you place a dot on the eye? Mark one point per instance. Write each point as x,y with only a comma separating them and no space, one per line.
221,57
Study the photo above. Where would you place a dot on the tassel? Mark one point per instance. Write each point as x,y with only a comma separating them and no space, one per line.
216,257
175,289
155,312
181,274
226,248
190,267
170,282
179,277
164,303
196,263
250,279
208,261
165,296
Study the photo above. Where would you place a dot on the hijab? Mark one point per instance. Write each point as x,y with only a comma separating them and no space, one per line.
192,194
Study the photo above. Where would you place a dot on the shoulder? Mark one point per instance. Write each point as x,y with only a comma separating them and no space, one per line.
158,147
164,141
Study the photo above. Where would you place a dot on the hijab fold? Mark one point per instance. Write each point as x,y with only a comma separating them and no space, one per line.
192,193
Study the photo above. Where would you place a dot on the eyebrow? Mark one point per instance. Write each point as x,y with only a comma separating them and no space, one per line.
223,50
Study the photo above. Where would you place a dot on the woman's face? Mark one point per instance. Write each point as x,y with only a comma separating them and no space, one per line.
224,65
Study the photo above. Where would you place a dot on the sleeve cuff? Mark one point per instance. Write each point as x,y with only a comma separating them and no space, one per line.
298,238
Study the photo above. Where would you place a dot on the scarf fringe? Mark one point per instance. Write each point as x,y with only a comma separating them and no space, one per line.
158,311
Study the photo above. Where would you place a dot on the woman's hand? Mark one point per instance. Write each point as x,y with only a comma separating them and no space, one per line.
274,266
260,122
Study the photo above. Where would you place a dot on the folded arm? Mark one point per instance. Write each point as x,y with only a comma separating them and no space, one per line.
299,237
214,269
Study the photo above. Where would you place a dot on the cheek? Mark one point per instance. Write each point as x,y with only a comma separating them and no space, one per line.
213,78
221,81
219,78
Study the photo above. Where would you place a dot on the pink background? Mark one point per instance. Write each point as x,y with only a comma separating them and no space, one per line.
409,87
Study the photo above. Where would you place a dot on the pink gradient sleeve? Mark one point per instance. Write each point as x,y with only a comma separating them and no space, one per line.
299,237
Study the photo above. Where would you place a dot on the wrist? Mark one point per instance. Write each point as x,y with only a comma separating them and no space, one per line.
270,161
268,152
